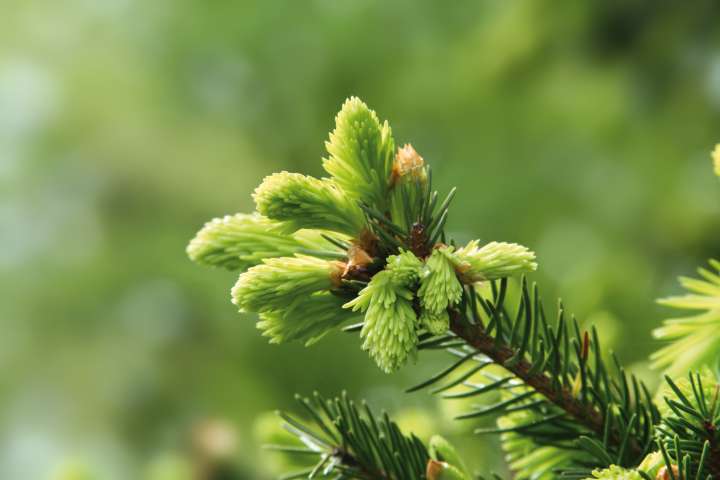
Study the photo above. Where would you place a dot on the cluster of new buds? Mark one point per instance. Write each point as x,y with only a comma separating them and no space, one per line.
369,239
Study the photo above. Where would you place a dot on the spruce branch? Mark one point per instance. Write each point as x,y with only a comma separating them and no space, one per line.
350,441
576,402
689,434
370,240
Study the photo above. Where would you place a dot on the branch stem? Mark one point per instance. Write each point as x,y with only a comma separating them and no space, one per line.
584,413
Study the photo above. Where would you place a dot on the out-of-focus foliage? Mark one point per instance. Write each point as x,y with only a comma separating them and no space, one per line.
579,129
691,341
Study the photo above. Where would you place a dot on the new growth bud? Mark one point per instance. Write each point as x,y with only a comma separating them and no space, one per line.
377,206
389,329
492,261
404,268
307,318
408,165
408,182
279,282
361,151
616,473
439,285
435,323
237,242
301,201
716,159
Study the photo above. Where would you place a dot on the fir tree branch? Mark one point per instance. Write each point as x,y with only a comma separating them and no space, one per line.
351,442
558,376
379,220
585,414
689,434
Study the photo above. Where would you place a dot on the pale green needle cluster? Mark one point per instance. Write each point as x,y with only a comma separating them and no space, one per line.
716,159
306,319
300,201
404,267
439,285
389,331
238,242
368,238
278,282
616,473
436,323
494,260
361,154
693,340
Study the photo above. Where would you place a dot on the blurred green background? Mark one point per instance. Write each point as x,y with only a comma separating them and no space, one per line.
580,129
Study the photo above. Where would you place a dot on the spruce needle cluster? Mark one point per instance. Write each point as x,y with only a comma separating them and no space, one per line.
365,250
366,241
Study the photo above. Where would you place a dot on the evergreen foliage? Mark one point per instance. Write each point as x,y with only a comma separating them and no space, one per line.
300,201
694,341
390,320
240,241
361,153
439,285
350,441
278,282
370,240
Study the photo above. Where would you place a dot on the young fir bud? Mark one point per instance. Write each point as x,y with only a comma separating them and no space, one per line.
439,285
405,268
389,329
408,183
716,159
361,154
442,450
652,464
238,242
278,282
436,323
437,470
664,473
300,201
307,318
615,473
492,261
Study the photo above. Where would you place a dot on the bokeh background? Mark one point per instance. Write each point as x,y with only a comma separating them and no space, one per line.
581,129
